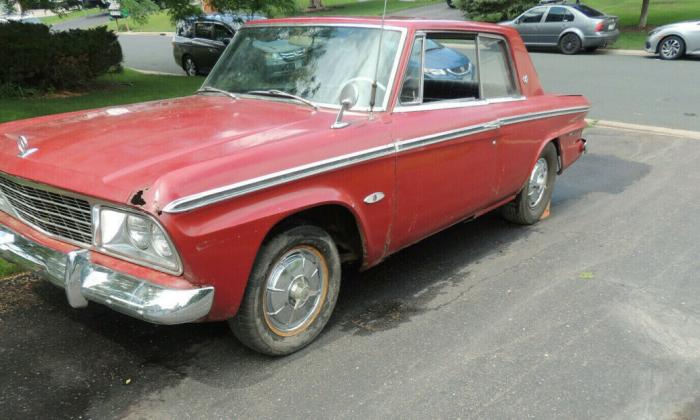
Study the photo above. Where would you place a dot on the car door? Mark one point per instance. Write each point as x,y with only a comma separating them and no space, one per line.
445,141
528,24
557,20
693,39
204,50
222,36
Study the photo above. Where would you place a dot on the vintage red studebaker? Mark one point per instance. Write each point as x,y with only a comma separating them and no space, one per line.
314,144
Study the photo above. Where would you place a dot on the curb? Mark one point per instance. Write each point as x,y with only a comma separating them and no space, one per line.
153,72
670,132
147,33
636,53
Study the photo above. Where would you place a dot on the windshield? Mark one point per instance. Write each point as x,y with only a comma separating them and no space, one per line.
313,62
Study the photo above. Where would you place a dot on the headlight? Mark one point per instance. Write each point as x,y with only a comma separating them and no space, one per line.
435,72
136,237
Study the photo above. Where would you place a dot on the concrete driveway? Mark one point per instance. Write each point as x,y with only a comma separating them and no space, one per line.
592,313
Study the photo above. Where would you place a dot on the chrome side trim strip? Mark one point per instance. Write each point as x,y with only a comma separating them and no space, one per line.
277,178
238,189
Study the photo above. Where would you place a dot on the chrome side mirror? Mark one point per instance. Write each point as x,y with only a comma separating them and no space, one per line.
348,98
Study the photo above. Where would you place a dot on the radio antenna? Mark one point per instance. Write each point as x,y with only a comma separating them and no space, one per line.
373,94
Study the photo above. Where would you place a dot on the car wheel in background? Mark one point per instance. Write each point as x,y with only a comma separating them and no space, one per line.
291,291
189,66
530,204
671,48
570,44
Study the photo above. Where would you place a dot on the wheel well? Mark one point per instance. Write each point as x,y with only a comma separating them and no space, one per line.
558,147
335,219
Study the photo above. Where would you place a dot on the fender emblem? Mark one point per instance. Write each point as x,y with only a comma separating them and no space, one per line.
23,146
374,198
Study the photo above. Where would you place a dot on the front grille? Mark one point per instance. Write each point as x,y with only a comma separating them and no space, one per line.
53,212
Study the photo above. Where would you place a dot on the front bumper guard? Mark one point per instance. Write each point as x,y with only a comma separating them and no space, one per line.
84,281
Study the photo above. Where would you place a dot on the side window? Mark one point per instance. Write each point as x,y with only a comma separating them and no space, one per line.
559,14
449,68
497,78
412,89
533,16
203,30
221,33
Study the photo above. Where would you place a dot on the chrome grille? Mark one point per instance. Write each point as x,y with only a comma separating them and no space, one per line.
55,213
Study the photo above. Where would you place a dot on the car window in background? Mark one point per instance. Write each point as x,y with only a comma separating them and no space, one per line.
533,16
221,33
588,11
449,72
203,30
497,79
559,14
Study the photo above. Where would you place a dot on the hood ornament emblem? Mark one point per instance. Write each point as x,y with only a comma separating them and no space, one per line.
23,146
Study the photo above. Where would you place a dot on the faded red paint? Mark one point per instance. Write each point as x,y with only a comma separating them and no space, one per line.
173,148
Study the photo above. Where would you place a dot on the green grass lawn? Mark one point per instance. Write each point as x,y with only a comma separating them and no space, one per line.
363,8
157,22
661,12
111,89
50,20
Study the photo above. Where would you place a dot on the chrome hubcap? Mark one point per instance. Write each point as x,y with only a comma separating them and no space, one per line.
295,291
189,64
670,48
538,183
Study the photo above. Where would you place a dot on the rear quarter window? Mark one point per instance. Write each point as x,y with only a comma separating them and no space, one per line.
588,11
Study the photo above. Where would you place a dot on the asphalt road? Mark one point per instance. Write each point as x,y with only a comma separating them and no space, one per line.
592,313
83,22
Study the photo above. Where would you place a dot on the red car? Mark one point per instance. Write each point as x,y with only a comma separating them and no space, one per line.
243,201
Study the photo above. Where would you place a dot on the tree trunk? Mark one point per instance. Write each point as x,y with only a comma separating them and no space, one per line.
644,15
315,4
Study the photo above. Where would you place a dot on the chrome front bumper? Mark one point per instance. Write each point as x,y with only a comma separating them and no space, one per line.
84,281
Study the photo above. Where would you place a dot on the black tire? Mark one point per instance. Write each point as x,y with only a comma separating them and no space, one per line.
671,48
570,44
520,210
253,326
189,66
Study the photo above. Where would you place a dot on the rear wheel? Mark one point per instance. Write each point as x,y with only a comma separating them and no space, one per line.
570,44
291,291
672,48
530,204
189,66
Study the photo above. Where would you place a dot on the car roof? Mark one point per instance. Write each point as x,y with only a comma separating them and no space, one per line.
396,22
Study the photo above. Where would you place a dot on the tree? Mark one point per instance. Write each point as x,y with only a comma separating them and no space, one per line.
139,10
180,9
11,7
494,10
315,4
645,14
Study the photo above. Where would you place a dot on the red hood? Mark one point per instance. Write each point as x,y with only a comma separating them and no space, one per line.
111,153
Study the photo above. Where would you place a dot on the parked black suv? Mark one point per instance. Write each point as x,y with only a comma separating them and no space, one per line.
200,40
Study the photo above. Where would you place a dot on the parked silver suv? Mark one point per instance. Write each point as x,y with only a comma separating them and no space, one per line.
571,27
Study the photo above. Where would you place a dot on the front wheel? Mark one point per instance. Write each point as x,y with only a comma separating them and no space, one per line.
672,48
291,291
189,66
570,44
530,204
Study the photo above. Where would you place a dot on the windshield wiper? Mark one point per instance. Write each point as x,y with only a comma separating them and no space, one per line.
217,90
283,94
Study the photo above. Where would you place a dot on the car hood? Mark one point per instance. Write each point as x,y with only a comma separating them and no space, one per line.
114,153
677,25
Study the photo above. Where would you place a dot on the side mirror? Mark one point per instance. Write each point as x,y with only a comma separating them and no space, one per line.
348,98
517,21
226,41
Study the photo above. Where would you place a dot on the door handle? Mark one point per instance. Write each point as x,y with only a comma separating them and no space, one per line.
492,126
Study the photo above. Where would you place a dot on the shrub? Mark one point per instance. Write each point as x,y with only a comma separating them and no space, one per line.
494,10
35,59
